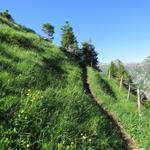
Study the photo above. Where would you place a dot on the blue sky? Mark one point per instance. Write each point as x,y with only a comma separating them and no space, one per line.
119,29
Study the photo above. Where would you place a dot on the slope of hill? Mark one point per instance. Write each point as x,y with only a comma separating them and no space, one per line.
108,93
42,101
141,74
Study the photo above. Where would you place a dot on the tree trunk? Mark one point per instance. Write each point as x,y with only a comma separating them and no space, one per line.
129,88
121,81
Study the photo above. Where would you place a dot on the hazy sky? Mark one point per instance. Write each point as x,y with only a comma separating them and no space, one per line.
119,29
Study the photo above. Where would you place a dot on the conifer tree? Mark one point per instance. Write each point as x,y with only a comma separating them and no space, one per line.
68,39
89,54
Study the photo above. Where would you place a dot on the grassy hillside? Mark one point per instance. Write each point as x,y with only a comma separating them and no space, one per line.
42,101
114,100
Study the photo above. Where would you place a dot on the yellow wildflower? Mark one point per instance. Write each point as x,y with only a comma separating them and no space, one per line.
28,145
84,137
90,140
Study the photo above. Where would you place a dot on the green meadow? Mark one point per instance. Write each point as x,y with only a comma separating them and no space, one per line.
125,111
43,105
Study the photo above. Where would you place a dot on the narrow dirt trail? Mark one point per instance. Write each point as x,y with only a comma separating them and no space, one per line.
130,143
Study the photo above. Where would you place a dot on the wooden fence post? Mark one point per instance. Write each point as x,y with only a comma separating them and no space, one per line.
109,74
129,88
121,81
138,100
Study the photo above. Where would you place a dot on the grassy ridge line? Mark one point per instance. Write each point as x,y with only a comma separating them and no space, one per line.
42,101
125,111
130,143
15,26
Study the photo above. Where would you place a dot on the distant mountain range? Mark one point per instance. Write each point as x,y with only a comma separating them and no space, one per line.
140,73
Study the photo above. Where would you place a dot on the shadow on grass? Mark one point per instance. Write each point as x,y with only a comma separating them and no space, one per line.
19,40
4,53
50,74
53,65
107,89
15,26
7,66
8,110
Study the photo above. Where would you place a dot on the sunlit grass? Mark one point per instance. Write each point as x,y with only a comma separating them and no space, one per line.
42,101
125,111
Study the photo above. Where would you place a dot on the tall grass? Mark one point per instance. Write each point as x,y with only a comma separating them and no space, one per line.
42,101
125,111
